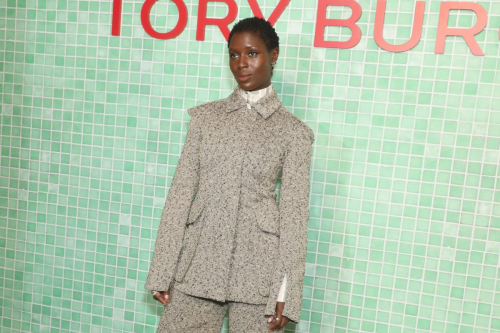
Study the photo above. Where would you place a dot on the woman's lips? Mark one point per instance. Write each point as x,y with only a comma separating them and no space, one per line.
243,78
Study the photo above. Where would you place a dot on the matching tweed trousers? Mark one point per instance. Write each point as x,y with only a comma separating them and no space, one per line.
186,313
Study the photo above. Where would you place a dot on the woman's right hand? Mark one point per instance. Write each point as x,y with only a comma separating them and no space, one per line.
163,296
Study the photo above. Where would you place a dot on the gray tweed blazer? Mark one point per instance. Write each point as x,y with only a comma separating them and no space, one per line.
226,176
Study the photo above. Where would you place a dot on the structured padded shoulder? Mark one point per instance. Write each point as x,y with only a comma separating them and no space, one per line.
199,109
302,127
298,126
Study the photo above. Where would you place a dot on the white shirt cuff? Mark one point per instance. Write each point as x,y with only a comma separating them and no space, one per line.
282,292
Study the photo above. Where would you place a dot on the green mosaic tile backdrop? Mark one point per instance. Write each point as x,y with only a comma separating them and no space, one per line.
404,233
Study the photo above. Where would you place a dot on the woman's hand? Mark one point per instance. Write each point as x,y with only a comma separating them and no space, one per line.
279,321
162,296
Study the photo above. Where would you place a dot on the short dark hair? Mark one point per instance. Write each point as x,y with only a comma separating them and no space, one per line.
260,26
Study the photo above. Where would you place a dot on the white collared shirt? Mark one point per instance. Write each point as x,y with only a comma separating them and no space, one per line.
251,97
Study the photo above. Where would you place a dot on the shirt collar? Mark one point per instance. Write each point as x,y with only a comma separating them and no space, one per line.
253,96
265,105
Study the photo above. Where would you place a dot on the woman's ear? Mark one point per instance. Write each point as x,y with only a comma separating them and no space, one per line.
274,54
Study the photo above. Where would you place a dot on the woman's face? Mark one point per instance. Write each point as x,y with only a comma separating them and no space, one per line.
250,61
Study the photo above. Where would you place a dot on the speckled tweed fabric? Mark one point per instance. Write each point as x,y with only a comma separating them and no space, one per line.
191,314
238,243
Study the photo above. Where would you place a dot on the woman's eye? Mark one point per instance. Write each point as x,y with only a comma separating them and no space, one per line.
253,53
232,55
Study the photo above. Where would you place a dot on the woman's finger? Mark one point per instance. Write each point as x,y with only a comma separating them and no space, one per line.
272,323
277,323
156,296
166,296
161,297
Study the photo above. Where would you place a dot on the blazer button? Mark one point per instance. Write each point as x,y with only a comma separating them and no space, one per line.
264,291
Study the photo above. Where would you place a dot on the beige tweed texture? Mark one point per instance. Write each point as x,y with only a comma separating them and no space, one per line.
222,235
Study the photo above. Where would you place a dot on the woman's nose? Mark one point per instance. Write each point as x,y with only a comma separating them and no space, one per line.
242,63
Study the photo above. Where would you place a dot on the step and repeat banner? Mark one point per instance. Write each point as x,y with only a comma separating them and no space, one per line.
404,98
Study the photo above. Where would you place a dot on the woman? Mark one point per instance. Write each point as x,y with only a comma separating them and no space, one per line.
233,247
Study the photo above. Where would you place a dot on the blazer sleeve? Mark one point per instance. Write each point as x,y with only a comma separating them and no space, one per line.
294,217
176,209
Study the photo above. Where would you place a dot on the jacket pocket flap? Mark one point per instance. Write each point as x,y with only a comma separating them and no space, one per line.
195,211
268,218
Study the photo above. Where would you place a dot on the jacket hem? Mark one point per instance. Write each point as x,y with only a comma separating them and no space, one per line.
179,286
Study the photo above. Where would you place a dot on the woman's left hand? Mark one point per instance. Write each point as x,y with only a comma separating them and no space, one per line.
279,321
